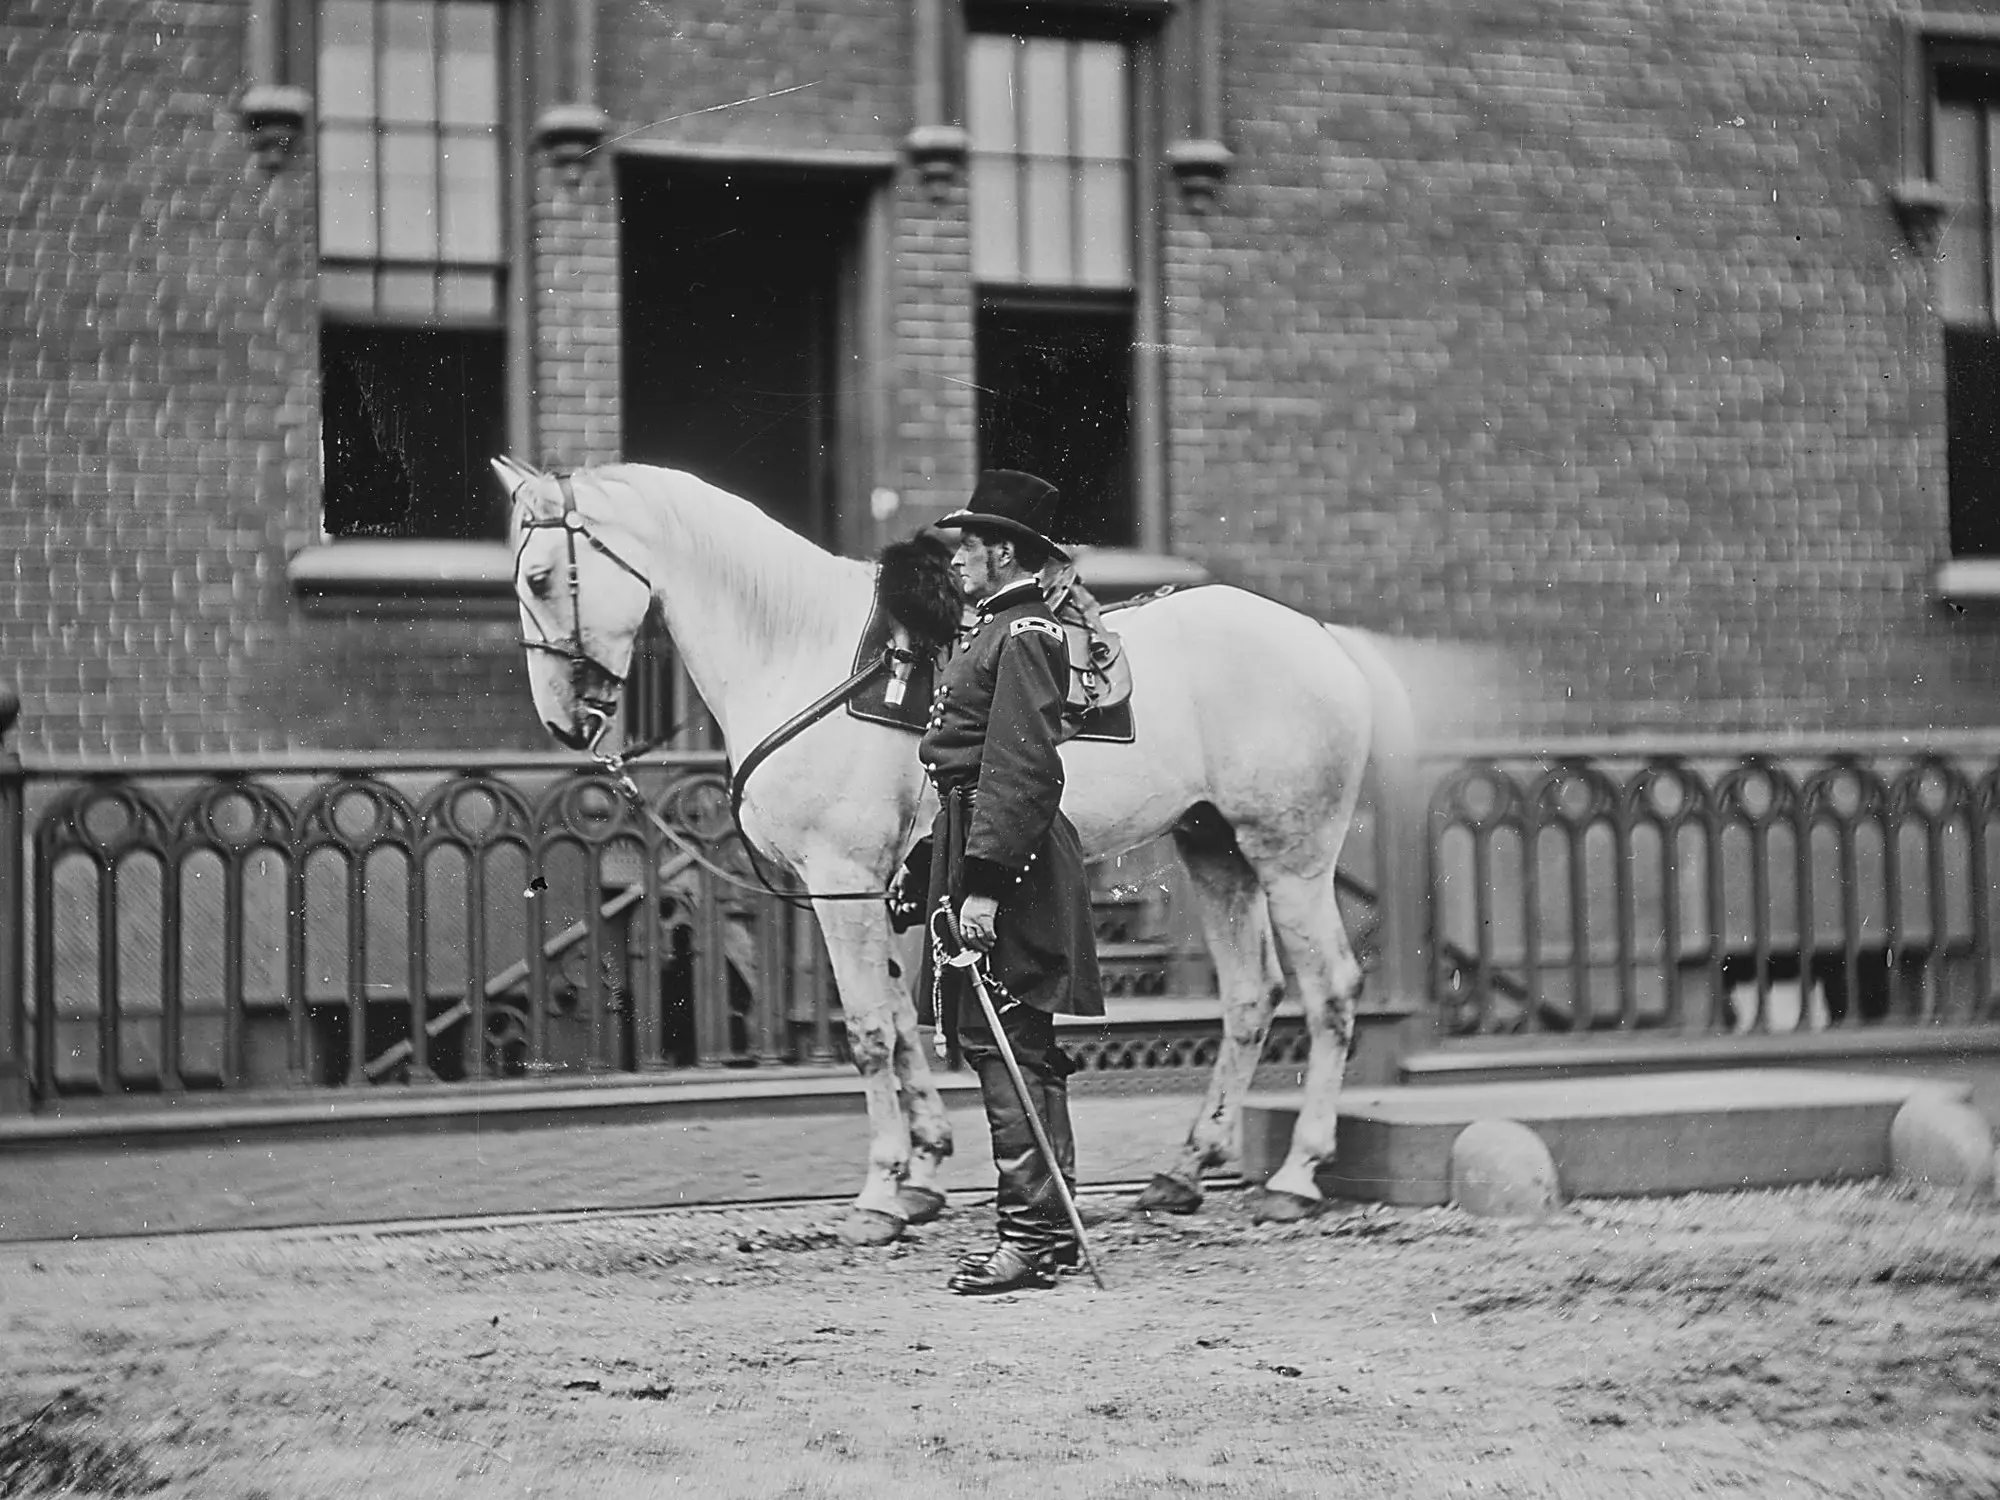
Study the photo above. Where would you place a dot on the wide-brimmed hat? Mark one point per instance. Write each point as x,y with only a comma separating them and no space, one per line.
1014,503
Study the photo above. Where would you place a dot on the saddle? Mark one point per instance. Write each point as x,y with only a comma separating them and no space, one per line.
918,613
1100,677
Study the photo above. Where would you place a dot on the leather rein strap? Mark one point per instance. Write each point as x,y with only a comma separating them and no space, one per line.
617,766
572,651
797,724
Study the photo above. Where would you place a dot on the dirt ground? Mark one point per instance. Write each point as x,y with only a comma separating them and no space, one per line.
1837,1342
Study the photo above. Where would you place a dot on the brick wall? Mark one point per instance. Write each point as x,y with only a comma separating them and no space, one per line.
782,74
936,440
1583,330
1579,330
575,280
154,347
388,682
158,348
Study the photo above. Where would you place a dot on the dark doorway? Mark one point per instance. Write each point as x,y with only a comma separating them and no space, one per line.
1055,398
739,310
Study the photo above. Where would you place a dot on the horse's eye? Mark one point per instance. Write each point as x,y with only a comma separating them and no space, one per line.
538,583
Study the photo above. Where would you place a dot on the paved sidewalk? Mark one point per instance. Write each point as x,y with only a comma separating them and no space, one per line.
98,1190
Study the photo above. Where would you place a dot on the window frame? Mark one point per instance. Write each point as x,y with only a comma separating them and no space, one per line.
1142,26
437,132
1929,46
418,574
1018,162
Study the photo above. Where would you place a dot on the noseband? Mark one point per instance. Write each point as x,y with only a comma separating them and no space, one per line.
574,528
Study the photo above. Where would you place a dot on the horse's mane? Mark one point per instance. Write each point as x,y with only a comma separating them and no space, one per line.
787,584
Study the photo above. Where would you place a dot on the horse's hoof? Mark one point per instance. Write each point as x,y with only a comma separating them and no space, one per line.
1275,1206
1167,1195
919,1205
869,1226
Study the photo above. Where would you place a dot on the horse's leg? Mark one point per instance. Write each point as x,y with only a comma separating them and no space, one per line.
1313,946
1233,920
881,1036
921,1196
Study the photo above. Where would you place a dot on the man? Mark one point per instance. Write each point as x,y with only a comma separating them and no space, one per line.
1008,866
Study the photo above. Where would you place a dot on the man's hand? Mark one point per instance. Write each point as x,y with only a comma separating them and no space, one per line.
910,889
975,922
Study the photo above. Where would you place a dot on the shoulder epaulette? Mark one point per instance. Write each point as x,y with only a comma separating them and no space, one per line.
1035,623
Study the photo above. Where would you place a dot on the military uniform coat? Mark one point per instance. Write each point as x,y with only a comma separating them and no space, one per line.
991,750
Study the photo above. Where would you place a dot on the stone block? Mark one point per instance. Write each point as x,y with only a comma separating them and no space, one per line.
1266,1133
1711,1131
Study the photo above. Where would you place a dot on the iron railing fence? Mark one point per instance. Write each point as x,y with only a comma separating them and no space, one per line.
175,927
1704,887
274,922
188,928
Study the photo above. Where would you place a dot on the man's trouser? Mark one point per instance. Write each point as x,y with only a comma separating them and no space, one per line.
1029,1212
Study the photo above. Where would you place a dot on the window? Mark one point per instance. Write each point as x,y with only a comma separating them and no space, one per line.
1965,164
1051,174
412,270
1051,169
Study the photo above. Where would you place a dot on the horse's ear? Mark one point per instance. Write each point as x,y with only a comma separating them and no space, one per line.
513,473
515,476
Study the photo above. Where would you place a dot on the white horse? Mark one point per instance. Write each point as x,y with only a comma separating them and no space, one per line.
1254,724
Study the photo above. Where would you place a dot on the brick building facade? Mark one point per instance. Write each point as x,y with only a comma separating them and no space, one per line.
1605,332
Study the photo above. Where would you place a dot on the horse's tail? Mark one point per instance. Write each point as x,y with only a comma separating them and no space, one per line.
1392,745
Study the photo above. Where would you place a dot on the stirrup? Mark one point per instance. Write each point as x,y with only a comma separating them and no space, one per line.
1007,1269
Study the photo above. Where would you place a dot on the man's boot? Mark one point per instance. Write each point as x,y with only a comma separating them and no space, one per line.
1030,1217
1051,1096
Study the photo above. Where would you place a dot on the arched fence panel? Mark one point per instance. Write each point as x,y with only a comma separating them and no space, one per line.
259,926
192,929
1714,889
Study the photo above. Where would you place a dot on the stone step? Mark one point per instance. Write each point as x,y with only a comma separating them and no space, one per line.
1108,952
1710,1131
1164,1011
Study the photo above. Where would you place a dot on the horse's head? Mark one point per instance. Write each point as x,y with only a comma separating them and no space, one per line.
580,581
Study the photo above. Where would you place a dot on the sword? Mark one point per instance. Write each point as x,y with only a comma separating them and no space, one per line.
958,956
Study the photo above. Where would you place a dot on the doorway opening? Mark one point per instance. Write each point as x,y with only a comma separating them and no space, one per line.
744,361
740,293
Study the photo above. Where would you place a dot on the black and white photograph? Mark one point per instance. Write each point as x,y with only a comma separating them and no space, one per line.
1000,749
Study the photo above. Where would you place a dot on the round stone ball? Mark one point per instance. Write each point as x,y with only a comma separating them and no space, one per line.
1939,1142
1501,1169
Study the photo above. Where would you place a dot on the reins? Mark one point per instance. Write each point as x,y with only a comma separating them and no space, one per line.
617,766
576,528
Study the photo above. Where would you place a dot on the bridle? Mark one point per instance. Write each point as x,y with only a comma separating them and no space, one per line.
575,528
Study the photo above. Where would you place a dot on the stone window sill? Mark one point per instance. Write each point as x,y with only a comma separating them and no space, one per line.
1970,581
1117,573
376,576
